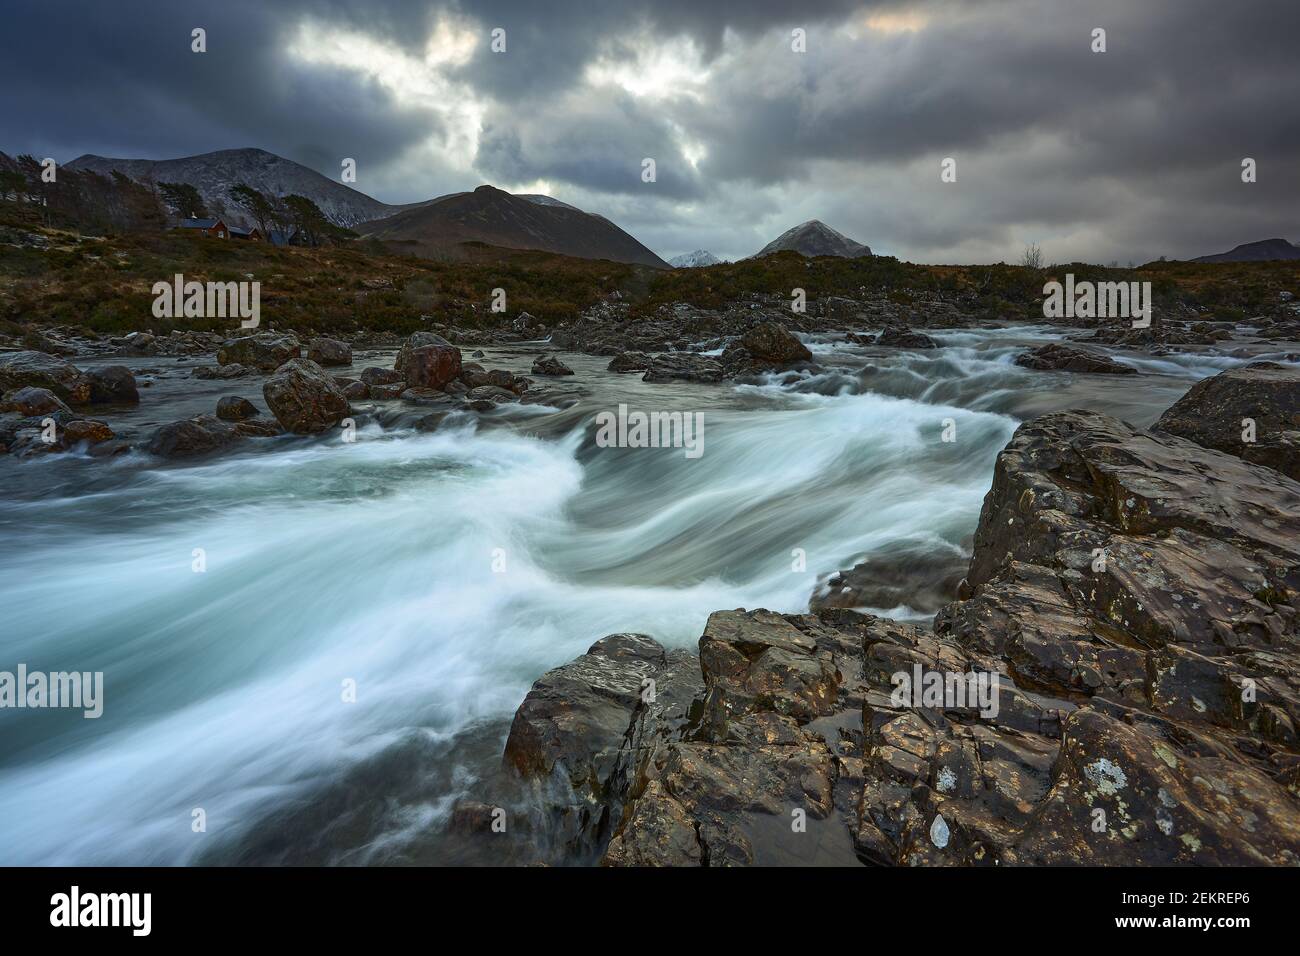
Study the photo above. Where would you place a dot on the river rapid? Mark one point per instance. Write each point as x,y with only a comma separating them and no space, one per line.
440,573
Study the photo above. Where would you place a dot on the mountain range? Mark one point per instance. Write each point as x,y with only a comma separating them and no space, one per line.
1261,251
215,174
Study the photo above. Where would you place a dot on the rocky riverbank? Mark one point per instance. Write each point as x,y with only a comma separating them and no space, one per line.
1135,592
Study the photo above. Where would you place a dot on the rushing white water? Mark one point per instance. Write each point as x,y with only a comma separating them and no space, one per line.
380,562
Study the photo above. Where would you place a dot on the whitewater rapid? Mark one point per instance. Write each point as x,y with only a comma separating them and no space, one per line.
440,574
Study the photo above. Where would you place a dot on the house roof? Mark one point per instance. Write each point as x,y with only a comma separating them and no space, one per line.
198,223
241,231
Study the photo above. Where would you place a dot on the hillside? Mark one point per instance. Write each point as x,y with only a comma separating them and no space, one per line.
498,218
814,238
1266,250
214,174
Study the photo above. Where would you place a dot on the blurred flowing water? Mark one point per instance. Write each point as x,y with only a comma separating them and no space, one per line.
373,562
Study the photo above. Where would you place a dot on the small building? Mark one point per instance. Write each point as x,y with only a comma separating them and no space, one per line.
211,227
252,234
285,237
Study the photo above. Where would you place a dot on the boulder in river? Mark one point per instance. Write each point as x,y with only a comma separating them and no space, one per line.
1252,412
192,436
629,362
266,351
550,365
234,408
417,340
325,351
41,370
372,375
1064,358
896,336
772,344
30,401
113,385
432,366
684,367
303,397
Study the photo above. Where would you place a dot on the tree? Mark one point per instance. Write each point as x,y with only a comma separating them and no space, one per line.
1033,257
183,199
261,209
12,181
310,222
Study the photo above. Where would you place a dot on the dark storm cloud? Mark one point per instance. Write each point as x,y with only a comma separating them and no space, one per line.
1127,154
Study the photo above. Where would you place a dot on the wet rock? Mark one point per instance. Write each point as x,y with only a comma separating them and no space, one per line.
190,437
90,431
386,392
684,367
772,344
113,385
266,351
629,362
233,370
382,376
903,338
431,366
303,398
1251,412
550,365
491,394
41,370
417,340
32,401
325,352
233,408
355,391
1056,357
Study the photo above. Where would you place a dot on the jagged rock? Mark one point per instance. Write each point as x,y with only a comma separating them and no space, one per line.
303,398
266,351
550,365
41,370
113,384
233,408
1056,357
1214,411
30,401
567,737
355,391
1136,598
325,351
902,338
683,366
629,362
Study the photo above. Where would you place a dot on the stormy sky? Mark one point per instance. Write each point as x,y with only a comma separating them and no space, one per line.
1123,156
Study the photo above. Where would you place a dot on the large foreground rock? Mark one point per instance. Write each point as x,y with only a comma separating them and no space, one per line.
41,370
417,340
304,398
1137,597
113,385
1217,412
